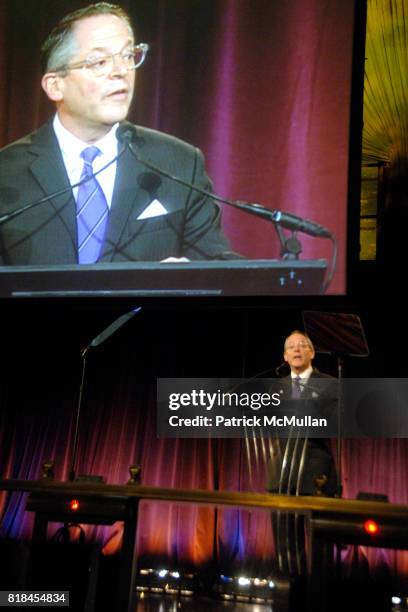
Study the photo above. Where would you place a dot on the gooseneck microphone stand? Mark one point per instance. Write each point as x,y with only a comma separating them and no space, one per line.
290,246
104,335
71,474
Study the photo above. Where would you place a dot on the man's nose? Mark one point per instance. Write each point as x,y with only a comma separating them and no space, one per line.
119,65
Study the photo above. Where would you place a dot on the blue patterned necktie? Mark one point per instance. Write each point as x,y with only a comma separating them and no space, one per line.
296,388
92,212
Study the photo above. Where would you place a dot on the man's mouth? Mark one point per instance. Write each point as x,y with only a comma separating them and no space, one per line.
118,94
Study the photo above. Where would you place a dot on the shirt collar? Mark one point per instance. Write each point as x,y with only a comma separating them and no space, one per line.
304,375
71,145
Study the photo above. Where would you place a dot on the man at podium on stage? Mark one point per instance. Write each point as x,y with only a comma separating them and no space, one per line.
127,212
306,383
300,465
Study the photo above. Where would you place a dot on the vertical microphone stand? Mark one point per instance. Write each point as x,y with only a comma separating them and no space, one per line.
104,335
340,363
71,474
340,335
290,247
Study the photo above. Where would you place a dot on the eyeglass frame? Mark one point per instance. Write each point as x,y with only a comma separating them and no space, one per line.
302,344
88,63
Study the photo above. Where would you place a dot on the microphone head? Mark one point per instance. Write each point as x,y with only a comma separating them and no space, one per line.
150,182
282,369
126,133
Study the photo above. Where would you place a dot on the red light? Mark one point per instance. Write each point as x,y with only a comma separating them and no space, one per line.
74,504
371,527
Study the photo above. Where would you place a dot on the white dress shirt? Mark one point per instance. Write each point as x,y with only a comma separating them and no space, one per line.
71,149
304,376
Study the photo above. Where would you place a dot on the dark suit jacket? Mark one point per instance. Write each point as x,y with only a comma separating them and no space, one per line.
320,388
33,167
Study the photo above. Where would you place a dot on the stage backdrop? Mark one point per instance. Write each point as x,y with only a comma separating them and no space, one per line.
262,87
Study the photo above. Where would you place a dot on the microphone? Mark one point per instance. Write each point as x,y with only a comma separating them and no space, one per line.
150,182
282,369
127,135
16,213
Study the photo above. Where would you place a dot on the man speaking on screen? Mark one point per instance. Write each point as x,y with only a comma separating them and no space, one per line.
126,212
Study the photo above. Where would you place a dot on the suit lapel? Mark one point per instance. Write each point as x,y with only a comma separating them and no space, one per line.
48,169
128,199
285,387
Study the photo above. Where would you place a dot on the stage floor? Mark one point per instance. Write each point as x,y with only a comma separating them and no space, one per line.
151,602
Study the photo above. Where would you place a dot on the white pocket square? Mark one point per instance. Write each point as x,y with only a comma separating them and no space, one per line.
155,209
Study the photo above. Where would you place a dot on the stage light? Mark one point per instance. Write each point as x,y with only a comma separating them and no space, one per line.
171,582
244,588
399,603
371,527
74,505
175,575
162,573
226,578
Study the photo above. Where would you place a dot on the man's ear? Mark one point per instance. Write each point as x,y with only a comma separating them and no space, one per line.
51,84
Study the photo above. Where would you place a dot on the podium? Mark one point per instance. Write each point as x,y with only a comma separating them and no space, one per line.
243,277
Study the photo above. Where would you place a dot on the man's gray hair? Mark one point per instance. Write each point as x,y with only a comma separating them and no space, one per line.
61,45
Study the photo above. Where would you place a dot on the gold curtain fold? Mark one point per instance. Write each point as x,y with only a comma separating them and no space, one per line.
386,82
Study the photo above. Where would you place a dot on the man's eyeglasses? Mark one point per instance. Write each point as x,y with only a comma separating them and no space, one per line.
101,66
302,345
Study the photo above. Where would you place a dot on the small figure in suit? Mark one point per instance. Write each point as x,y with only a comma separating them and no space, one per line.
300,466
